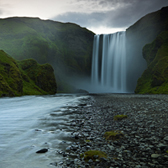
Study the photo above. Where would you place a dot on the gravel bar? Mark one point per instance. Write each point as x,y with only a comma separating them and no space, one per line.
145,140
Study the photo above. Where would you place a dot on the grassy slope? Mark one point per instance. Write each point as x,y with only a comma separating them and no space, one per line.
16,81
67,47
155,77
10,76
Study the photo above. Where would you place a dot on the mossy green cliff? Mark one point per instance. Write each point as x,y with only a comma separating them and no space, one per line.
25,77
66,46
155,77
144,31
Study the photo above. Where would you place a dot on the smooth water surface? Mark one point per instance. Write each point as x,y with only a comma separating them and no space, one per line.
30,123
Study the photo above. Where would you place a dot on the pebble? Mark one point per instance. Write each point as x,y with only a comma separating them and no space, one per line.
155,156
144,143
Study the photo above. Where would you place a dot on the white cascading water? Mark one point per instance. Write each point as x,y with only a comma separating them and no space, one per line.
109,66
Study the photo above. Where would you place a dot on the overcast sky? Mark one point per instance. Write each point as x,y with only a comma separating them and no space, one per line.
100,16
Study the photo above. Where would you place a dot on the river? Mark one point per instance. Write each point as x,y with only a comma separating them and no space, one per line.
31,123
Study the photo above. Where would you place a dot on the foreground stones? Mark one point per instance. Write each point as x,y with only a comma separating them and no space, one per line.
145,140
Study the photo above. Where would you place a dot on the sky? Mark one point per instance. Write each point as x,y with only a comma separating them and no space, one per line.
99,16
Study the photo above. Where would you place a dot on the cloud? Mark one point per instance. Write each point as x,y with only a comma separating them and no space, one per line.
86,13
81,18
5,6
111,13
1,11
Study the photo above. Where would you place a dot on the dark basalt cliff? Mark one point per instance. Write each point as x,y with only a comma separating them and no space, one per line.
144,31
66,46
25,77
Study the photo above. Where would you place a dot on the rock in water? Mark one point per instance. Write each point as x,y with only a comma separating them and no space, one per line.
42,151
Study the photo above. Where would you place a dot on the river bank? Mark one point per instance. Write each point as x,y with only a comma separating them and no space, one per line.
31,123
145,131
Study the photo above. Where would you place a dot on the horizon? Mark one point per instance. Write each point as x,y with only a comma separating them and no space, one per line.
94,30
100,16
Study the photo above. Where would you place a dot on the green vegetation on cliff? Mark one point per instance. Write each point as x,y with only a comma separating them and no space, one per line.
25,77
155,77
66,46
41,75
144,31
10,76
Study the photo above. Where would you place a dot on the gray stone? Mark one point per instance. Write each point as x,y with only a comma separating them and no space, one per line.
155,156
166,138
138,166
90,161
61,163
111,147
68,148
162,146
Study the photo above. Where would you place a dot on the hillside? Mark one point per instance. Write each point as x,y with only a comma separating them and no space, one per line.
155,77
25,77
66,46
144,31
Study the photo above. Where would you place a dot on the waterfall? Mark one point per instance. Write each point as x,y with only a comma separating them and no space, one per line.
109,63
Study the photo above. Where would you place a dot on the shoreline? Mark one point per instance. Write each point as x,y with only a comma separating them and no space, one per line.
145,139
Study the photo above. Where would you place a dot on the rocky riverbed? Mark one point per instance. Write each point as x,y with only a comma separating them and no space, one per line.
145,130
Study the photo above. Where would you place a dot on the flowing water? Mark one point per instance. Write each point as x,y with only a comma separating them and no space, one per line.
109,63
30,123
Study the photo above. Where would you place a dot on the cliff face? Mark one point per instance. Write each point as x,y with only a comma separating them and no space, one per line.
155,77
25,77
66,46
41,75
10,76
144,31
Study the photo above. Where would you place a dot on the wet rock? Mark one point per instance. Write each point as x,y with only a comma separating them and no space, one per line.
61,163
64,154
42,151
82,104
54,164
68,148
73,124
69,162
